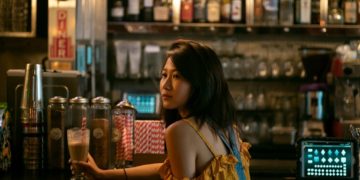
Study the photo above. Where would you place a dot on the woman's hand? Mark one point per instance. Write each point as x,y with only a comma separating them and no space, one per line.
89,168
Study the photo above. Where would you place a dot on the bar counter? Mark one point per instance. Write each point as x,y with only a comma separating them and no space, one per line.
260,170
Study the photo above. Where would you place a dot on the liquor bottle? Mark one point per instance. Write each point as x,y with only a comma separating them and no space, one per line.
117,11
161,11
225,11
258,12
176,12
336,14
303,11
147,11
297,11
249,10
186,12
237,10
350,9
213,11
199,10
286,16
358,11
324,12
133,10
271,11
315,11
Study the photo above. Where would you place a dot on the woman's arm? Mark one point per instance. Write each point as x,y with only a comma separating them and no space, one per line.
148,172
181,149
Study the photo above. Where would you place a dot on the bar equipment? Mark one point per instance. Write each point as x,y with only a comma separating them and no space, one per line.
32,118
314,94
122,140
336,157
100,131
347,98
60,83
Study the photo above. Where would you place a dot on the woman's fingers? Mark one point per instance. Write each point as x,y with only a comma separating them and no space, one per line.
90,157
87,167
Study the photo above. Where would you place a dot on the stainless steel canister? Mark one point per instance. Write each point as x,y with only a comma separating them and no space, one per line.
122,139
100,131
56,132
32,120
78,112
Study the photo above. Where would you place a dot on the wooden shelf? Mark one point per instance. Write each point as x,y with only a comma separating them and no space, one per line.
229,28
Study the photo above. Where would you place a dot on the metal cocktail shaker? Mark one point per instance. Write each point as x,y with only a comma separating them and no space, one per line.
32,120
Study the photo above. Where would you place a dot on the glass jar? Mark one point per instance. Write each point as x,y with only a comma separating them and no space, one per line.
122,140
100,131
78,112
56,128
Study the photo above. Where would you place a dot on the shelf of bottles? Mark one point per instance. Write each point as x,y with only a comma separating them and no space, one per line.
233,16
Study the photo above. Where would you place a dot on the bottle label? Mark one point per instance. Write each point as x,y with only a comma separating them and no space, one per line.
55,134
236,11
213,14
226,10
98,133
148,3
56,149
161,13
33,152
258,11
305,11
117,12
350,12
199,9
186,10
134,7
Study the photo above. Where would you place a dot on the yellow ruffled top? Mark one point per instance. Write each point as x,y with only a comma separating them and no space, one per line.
220,168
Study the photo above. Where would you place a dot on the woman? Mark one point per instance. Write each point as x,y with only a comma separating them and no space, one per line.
201,135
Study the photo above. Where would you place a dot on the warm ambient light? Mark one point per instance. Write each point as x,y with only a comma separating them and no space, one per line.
61,34
176,5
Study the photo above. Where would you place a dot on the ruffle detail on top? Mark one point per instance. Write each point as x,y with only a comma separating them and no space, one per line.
220,168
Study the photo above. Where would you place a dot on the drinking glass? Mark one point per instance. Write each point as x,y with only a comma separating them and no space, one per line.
78,143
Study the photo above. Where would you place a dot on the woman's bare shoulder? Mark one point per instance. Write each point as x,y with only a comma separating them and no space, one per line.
180,127
180,138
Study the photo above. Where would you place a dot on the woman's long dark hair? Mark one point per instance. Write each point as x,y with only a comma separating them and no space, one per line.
210,99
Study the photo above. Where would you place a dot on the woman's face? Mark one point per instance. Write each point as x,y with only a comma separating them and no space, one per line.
174,89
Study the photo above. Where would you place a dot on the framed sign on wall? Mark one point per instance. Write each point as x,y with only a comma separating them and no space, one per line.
18,18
